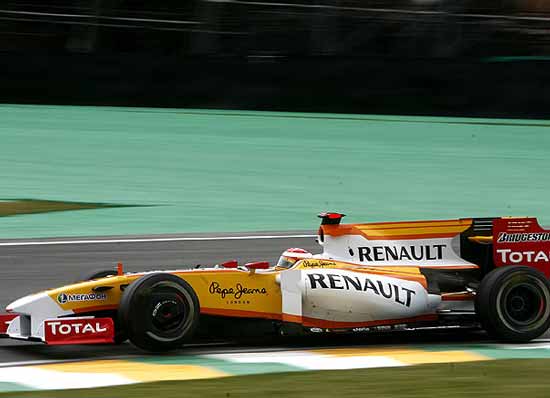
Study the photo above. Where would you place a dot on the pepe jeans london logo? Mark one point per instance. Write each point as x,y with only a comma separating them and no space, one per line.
317,263
236,292
64,298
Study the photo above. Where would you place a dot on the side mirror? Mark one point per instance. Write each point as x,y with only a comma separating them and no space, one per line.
230,264
257,265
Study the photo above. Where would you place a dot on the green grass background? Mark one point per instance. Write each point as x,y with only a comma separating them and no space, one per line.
251,171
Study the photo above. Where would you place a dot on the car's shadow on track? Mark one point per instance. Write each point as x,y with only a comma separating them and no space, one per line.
16,351
19,351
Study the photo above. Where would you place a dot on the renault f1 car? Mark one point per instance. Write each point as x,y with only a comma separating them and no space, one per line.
487,272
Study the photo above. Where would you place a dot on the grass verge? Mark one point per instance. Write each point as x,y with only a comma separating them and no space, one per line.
502,378
14,207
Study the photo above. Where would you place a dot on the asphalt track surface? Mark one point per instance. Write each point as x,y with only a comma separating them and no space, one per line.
30,265
27,266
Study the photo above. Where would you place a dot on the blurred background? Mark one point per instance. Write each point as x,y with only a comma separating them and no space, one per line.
438,57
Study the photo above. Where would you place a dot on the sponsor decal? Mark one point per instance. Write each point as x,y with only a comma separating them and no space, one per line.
318,263
75,331
237,292
400,253
505,237
508,256
60,328
64,298
399,294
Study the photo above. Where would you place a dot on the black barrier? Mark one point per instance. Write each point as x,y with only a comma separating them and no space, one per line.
433,57
349,85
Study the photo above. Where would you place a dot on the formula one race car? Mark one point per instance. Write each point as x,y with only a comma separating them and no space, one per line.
488,272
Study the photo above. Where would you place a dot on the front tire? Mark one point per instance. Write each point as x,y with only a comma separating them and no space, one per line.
513,303
159,312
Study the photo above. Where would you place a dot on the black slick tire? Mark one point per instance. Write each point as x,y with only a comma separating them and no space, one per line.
513,303
159,312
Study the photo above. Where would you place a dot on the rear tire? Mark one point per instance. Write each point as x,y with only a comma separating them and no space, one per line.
159,312
513,303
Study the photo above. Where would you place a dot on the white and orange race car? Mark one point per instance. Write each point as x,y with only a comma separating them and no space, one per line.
489,272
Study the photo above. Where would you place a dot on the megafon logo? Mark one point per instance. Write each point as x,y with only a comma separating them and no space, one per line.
64,298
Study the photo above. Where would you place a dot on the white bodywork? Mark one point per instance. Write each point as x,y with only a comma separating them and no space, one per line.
418,252
33,311
353,297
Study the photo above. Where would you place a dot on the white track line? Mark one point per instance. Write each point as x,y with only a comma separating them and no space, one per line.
138,240
56,361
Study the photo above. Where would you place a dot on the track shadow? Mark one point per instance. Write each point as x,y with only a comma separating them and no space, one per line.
15,351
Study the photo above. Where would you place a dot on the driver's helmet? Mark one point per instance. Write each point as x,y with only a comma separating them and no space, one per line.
291,256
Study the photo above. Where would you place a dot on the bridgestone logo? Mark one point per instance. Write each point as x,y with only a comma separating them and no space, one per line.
523,237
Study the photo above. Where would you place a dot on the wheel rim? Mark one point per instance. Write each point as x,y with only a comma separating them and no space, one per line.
168,314
170,311
523,303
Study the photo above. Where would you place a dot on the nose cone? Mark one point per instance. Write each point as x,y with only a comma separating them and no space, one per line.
24,304
39,304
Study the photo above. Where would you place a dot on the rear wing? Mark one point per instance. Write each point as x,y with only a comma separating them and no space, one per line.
408,243
485,242
521,241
